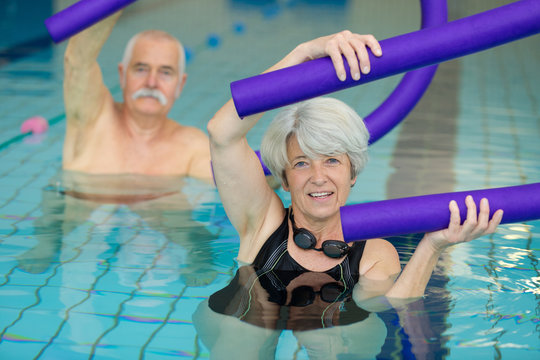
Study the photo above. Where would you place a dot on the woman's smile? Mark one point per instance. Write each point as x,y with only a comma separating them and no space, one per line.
321,195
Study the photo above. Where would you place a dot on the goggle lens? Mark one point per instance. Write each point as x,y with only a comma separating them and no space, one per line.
303,241
335,249
304,295
332,292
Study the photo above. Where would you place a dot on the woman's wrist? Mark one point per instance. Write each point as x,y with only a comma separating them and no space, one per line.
433,245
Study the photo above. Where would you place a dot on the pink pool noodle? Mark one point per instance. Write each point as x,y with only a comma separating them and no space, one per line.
34,125
81,15
430,212
400,54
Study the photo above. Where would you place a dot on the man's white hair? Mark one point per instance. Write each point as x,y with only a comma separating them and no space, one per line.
156,34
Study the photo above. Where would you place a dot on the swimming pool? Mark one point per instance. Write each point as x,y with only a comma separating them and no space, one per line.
130,279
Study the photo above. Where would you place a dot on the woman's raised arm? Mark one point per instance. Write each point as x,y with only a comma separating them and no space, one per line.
251,205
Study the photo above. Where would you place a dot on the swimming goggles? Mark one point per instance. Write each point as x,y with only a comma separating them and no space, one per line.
305,295
304,239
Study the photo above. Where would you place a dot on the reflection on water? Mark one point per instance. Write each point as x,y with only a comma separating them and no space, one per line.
324,317
156,212
106,257
287,300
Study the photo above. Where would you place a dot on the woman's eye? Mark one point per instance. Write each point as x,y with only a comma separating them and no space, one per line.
300,164
332,161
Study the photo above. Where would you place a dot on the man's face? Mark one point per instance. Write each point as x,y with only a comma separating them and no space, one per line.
151,81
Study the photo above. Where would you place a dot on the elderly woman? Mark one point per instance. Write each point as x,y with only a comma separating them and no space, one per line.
317,148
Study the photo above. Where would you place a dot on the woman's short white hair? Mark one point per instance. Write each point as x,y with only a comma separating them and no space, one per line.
323,127
156,34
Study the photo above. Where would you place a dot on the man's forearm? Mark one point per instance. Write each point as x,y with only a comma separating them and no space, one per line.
85,46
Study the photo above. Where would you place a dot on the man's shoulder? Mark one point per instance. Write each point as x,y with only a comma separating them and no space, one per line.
186,133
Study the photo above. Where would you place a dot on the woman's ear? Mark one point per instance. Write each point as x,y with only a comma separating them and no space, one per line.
353,181
284,183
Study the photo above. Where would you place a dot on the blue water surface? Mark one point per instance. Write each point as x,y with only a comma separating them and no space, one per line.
84,279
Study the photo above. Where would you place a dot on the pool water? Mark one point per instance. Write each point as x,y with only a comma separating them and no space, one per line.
133,271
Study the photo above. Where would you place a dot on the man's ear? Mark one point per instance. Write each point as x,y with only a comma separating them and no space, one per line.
121,75
180,86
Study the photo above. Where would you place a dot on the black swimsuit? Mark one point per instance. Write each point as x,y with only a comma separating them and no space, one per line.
274,256
274,269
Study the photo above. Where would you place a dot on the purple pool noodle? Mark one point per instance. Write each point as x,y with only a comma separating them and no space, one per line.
402,53
412,86
81,15
266,170
430,212
399,103
410,89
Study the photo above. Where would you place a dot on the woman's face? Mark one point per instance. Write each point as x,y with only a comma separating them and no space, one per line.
318,187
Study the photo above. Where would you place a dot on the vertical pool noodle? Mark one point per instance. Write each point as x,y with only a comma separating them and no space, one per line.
408,92
412,86
81,15
266,170
401,53
430,212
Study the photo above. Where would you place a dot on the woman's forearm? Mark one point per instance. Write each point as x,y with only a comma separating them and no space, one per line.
413,279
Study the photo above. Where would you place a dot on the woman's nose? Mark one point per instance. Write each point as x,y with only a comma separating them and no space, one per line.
318,175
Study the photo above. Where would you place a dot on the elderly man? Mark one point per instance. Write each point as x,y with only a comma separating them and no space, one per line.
136,136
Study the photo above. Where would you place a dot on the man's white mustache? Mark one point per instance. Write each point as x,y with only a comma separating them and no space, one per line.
145,92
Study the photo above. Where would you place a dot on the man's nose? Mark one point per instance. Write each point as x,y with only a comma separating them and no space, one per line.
151,79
